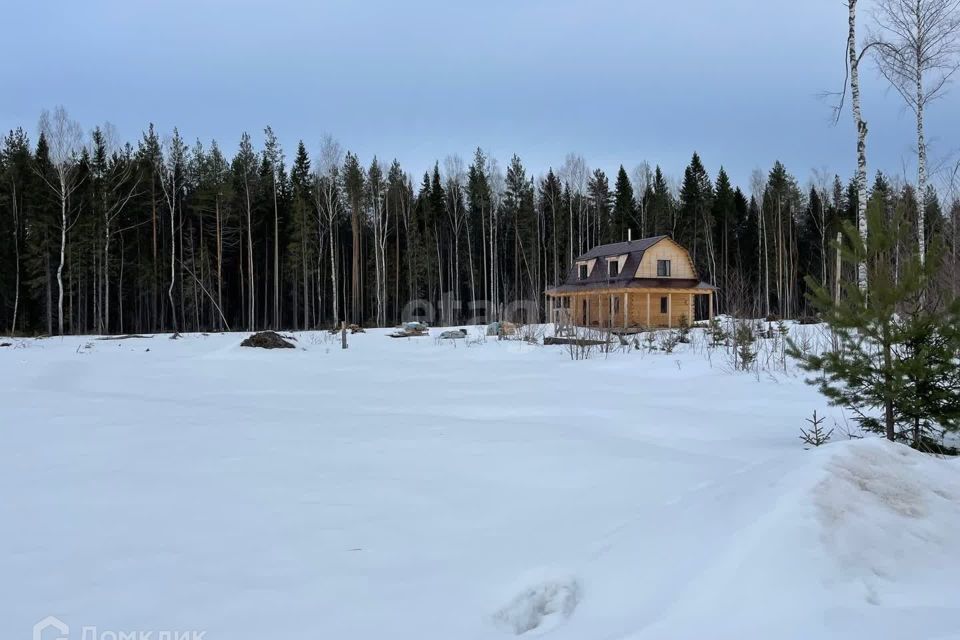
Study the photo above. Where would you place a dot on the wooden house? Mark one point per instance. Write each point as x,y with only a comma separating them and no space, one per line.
638,284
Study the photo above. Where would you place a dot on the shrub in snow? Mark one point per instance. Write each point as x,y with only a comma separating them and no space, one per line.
669,341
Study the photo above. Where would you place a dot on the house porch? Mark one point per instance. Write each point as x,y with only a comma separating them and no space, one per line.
626,309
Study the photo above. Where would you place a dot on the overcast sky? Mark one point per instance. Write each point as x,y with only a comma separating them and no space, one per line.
618,81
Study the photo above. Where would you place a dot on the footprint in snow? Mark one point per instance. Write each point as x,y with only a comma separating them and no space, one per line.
545,602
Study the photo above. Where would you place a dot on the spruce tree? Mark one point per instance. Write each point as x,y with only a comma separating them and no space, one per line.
624,207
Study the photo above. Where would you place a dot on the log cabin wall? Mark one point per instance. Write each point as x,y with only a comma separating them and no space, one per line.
603,307
681,265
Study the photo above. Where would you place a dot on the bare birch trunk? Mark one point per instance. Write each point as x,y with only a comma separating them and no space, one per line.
173,257
63,249
16,247
219,253
276,258
921,175
251,285
861,175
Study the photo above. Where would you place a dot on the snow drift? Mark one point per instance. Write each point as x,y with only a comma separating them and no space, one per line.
452,489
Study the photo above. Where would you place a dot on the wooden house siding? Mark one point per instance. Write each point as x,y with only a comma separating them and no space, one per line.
632,297
604,309
681,266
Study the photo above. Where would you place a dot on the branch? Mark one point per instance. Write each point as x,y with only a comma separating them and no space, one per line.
207,293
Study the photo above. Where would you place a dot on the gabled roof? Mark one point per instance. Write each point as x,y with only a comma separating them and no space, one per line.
599,278
620,248
634,251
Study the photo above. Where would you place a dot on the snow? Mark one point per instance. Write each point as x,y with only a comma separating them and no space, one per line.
417,488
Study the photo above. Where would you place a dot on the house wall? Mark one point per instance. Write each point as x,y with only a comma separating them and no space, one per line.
599,312
681,305
680,264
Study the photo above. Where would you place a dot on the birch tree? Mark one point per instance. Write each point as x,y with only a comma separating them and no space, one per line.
245,166
119,182
64,138
455,177
377,198
854,56
274,155
576,174
918,51
327,198
172,183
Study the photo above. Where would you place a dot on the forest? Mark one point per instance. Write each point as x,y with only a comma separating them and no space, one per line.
103,236
98,235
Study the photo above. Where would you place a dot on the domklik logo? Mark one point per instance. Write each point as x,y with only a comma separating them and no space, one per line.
50,622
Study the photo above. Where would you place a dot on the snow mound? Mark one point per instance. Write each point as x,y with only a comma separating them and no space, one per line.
543,604
887,514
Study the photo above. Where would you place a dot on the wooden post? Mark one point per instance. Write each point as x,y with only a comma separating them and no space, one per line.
626,309
669,311
648,310
343,334
710,298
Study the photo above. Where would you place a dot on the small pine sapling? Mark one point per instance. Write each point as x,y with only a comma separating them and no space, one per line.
683,331
718,336
815,435
743,342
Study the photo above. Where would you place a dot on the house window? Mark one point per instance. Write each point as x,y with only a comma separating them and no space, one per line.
613,268
583,272
663,268
664,301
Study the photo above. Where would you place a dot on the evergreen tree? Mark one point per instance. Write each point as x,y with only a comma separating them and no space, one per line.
661,206
724,216
301,253
624,211
695,220
598,191
895,353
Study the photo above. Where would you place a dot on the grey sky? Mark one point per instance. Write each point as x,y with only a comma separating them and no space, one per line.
619,82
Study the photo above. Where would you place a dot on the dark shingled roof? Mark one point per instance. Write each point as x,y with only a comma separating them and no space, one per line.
600,279
620,248
632,283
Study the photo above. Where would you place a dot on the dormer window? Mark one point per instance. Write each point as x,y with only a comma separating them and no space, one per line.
583,272
663,268
613,268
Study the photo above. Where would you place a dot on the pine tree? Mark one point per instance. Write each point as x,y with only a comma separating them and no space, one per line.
896,353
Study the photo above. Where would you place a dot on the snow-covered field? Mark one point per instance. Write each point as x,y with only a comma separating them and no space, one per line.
410,489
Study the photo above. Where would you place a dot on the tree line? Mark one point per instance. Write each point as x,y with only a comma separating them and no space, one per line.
99,235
